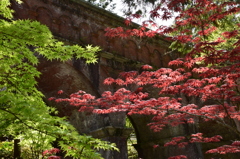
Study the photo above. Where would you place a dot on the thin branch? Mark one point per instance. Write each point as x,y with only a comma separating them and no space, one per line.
30,127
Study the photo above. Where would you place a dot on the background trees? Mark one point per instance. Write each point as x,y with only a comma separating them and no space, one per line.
23,113
202,86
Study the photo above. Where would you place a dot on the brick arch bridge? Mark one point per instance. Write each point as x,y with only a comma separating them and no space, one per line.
75,21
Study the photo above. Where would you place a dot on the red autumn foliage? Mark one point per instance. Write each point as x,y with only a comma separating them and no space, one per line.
209,71
49,153
233,148
178,157
60,92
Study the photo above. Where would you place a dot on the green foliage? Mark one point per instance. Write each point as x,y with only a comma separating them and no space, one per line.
132,140
23,114
132,153
6,149
4,9
180,47
227,24
85,147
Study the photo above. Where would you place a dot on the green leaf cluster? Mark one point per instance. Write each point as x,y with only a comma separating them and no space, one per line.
6,149
23,114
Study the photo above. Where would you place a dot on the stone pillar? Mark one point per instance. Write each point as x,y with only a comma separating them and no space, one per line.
117,135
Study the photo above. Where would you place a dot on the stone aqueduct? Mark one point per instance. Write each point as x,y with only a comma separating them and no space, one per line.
78,22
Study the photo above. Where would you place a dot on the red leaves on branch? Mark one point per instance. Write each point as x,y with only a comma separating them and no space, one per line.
182,141
51,152
233,148
231,34
147,67
207,31
176,141
60,92
199,138
154,13
178,157
109,81
176,62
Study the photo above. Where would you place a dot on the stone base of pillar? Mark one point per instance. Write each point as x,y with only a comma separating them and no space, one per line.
116,135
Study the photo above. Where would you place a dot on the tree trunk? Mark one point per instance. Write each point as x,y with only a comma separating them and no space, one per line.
17,149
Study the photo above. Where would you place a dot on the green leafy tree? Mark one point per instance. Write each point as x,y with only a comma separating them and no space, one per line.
23,114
